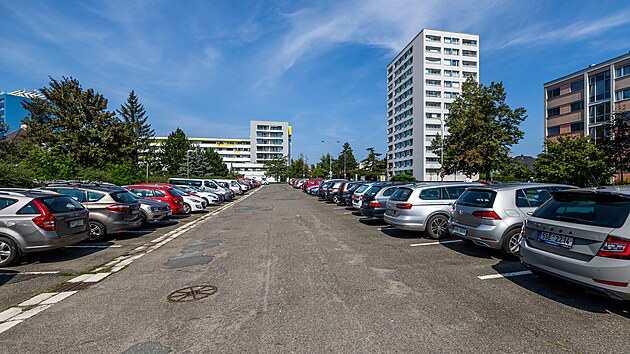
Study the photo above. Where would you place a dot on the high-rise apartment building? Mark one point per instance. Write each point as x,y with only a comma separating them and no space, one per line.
422,81
581,103
11,110
270,140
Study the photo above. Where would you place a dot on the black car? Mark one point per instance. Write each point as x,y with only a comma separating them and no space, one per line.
374,199
348,191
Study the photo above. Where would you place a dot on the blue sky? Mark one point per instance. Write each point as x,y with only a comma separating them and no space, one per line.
211,66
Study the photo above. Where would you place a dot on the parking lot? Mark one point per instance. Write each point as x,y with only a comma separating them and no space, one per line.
295,274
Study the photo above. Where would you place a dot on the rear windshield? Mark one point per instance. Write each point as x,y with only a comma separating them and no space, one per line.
477,198
175,193
61,204
401,195
372,191
123,197
362,188
597,210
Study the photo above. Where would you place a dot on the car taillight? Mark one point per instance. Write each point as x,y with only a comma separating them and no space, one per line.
321,189
330,190
615,247
486,215
374,203
404,206
45,221
118,207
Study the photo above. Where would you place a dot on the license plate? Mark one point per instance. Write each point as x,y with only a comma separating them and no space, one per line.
76,223
459,231
390,212
555,240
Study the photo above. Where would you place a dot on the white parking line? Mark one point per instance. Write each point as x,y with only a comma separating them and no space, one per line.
31,273
505,275
6,325
94,246
434,243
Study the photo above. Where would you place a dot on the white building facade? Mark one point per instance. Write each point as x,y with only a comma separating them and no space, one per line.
422,81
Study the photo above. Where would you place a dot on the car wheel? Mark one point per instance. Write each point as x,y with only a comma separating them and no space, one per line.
437,226
97,231
336,199
206,202
8,251
511,243
187,208
145,219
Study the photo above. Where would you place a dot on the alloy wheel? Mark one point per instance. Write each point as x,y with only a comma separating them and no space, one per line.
5,251
515,243
439,226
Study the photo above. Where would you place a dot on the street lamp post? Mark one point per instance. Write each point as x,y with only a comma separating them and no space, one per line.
330,162
188,162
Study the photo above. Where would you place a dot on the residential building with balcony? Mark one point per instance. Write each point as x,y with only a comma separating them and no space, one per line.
581,103
422,82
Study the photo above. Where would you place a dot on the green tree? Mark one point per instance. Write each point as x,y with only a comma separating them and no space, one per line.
174,150
618,147
346,162
216,164
318,172
514,172
482,129
373,166
134,117
573,160
277,168
403,178
77,122
299,169
15,176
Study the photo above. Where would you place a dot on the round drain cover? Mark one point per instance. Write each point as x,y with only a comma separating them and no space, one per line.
191,293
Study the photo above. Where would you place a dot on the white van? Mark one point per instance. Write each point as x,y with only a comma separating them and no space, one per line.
206,184
234,185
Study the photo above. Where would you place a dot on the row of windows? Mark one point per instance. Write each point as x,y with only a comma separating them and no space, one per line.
450,40
434,126
403,86
403,135
429,137
269,135
403,125
599,113
403,115
405,163
622,94
404,95
403,67
403,144
404,76
432,104
269,142
575,127
433,159
269,148
267,127
623,71
403,172
575,107
599,87
404,105
403,154
451,51
402,58
575,86
449,84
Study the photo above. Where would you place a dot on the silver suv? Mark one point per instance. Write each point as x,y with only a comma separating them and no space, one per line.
424,206
492,216
35,220
582,236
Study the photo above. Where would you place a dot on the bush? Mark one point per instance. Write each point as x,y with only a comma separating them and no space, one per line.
15,176
403,178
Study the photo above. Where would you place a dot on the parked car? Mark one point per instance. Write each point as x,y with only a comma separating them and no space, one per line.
332,192
233,185
582,236
38,220
161,193
492,216
208,197
424,207
348,192
313,190
110,209
151,211
206,184
375,198
357,196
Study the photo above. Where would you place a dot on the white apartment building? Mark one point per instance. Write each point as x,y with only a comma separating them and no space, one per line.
422,81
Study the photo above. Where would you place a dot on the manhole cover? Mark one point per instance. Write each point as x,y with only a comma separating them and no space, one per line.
191,293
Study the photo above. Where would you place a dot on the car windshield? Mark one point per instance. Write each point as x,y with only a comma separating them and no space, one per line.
61,204
604,210
362,188
123,197
372,191
176,193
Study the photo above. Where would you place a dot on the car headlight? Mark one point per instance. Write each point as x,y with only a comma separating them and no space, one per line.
154,208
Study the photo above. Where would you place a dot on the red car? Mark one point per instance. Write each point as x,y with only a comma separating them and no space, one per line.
162,193
311,183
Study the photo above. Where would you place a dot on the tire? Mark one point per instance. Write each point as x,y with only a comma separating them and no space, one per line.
9,252
437,226
206,201
145,221
335,199
187,208
510,246
97,231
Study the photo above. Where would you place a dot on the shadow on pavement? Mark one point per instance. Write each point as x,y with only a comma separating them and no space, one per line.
473,250
6,276
398,233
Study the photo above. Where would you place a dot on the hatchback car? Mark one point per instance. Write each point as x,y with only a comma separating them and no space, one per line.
37,220
492,216
110,209
163,194
357,196
424,207
583,236
375,198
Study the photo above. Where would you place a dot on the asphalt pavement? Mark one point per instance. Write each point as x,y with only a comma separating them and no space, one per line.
279,271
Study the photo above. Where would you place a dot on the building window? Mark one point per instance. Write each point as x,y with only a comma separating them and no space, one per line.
553,93
553,131
451,51
469,53
433,71
450,94
433,82
577,106
433,94
451,73
454,84
577,127
433,116
622,94
469,42
623,71
434,104
433,49
433,126
599,134
577,86
433,60
599,113
469,74
450,40
431,38
470,64
451,62
599,87
552,112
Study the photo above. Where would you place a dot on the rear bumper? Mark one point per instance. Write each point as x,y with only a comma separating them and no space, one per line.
581,272
54,242
373,212
122,225
482,235
409,223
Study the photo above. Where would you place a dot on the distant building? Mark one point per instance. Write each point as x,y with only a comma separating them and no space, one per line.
422,82
11,110
268,140
581,103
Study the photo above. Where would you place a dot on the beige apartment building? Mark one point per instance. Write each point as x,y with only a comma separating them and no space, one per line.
581,104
